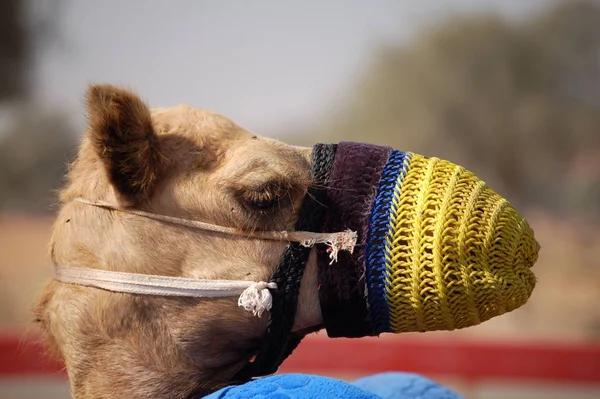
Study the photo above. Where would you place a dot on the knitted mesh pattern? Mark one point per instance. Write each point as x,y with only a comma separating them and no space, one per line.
456,253
379,223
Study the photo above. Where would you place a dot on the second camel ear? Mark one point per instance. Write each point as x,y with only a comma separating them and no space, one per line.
121,131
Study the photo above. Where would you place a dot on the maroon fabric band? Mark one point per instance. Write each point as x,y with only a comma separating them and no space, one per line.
351,192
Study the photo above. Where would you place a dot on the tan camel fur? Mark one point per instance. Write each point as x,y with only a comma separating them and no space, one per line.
184,162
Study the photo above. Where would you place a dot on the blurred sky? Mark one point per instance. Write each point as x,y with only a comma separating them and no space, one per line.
269,65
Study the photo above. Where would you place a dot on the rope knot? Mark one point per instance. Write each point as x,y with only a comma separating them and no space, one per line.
257,298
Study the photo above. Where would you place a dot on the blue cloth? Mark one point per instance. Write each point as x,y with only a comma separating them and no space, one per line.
404,386
305,386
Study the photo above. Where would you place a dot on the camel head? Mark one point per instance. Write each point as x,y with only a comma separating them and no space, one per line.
182,162
400,243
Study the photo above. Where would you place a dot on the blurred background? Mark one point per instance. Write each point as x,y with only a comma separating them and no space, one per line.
508,89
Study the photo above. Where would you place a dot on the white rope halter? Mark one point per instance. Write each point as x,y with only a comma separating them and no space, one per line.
253,296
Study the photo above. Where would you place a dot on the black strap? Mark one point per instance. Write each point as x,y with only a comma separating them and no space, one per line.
278,342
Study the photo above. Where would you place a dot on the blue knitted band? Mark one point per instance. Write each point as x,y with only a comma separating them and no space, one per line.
376,268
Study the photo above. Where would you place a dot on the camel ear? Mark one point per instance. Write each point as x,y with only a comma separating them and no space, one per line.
121,131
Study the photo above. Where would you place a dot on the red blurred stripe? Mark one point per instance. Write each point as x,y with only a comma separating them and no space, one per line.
26,356
463,359
577,363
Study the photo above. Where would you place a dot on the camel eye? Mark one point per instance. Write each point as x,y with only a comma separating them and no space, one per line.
263,200
262,204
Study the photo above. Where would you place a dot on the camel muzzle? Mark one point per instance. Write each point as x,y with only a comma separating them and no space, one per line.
437,249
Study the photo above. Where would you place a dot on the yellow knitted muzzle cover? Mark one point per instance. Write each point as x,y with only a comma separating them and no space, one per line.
456,253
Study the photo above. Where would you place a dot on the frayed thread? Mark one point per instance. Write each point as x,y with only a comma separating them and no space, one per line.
345,241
